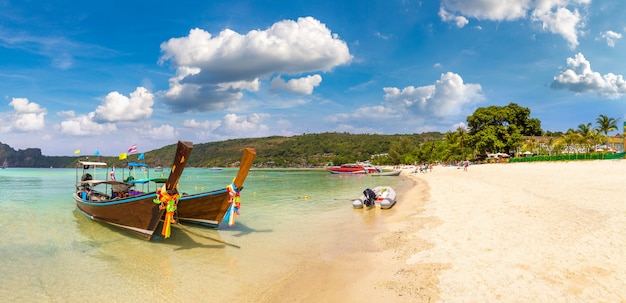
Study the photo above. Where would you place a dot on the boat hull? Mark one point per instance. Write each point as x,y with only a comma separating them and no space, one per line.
206,209
356,172
352,169
387,173
139,214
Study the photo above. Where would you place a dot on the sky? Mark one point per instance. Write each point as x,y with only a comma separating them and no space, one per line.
104,75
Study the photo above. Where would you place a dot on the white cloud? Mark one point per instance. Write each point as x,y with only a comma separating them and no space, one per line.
495,10
206,64
381,36
252,125
28,116
448,97
369,113
460,21
304,85
204,124
610,37
560,20
164,132
117,107
579,78
84,125
560,17
66,113
114,108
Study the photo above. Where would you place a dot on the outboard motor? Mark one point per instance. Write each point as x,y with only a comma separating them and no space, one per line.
370,197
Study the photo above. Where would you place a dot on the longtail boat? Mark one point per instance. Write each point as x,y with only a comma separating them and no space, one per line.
141,213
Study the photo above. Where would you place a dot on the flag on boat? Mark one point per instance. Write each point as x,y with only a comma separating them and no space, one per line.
97,153
76,152
122,156
112,174
140,157
132,150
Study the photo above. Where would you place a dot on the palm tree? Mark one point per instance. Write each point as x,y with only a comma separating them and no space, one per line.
606,125
587,135
571,139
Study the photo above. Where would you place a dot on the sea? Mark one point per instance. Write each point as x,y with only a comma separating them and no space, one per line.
49,252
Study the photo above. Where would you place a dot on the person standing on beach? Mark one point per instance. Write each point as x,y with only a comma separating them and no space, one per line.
465,165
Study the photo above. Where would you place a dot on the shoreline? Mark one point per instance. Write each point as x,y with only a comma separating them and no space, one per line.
508,232
368,265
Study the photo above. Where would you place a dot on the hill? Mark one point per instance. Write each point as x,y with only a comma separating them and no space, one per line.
297,151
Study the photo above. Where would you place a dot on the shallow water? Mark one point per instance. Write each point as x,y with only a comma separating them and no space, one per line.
50,252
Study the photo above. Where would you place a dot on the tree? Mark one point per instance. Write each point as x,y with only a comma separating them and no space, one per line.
399,151
606,125
587,135
571,138
501,128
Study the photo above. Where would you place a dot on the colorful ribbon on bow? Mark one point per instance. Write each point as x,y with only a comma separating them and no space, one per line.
235,204
169,203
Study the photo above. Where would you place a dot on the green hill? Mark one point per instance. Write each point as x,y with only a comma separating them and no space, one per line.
297,151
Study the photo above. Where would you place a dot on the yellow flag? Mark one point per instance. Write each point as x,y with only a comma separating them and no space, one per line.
122,156
76,152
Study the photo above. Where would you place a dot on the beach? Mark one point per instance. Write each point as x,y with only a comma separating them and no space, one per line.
519,232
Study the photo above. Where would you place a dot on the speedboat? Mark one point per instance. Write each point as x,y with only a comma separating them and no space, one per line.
353,169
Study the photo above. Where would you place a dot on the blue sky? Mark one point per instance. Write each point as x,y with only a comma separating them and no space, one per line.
103,75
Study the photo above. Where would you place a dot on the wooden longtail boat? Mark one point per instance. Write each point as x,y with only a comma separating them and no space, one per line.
209,208
140,212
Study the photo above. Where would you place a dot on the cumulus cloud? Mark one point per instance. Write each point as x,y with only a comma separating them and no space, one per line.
117,107
610,37
66,113
232,126
579,78
560,20
459,21
368,113
27,116
164,132
560,17
252,125
304,85
85,125
448,96
192,123
207,65
114,108
495,10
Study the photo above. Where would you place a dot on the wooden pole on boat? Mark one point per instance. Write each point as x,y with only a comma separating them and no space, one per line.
180,160
246,162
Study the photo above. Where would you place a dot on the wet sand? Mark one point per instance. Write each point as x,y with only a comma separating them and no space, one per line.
524,232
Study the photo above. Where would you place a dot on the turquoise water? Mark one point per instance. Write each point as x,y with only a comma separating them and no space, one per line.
51,253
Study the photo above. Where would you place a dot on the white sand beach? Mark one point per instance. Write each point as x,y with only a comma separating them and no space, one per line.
524,232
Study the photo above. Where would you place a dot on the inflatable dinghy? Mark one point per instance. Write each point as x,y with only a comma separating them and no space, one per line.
380,196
